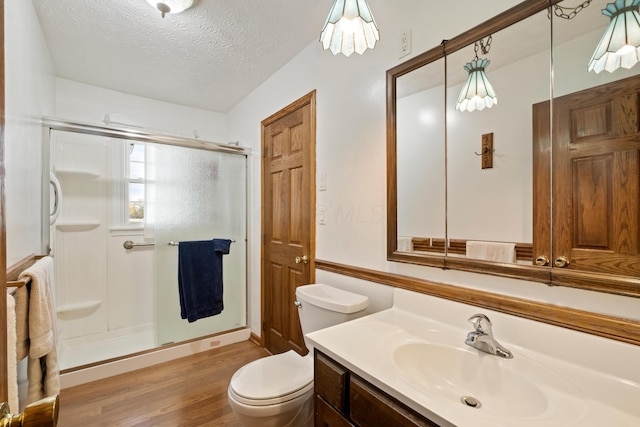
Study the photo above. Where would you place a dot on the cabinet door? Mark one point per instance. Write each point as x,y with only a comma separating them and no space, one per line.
596,181
330,381
327,416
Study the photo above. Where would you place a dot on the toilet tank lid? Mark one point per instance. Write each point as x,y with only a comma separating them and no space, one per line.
331,298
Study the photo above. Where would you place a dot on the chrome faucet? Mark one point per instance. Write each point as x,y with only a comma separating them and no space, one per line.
482,338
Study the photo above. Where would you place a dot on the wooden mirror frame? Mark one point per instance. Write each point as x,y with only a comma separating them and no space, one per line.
499,22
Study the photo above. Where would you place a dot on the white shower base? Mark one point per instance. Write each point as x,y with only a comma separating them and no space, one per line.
74,352
161,355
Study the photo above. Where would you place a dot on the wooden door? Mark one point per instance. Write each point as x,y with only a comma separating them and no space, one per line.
288,220
596,179
4,393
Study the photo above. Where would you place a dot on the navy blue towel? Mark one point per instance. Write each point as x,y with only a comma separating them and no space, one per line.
200,277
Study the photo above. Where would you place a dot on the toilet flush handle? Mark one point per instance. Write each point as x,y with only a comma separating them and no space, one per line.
297,303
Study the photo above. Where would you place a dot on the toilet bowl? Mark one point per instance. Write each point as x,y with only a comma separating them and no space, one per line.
277,391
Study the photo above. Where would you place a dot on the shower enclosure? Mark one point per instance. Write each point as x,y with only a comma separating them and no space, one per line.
119,204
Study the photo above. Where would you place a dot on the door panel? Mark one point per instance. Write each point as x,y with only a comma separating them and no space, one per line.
288,218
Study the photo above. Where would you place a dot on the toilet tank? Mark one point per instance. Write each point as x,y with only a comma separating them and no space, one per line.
321,306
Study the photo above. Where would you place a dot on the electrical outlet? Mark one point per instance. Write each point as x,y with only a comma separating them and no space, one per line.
405,43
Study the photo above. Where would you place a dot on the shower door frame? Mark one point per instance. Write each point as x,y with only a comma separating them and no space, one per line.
52,124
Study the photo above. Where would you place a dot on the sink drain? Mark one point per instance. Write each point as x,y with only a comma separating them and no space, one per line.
471,401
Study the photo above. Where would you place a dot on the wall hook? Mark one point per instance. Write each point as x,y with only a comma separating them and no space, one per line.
487,151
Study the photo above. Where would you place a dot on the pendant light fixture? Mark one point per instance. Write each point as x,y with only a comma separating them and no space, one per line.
477,93
171,6
349,28
620,44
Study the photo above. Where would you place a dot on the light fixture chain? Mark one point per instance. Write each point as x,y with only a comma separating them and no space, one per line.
483,46
568,12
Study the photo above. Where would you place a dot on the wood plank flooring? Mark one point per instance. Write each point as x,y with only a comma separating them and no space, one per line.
187,392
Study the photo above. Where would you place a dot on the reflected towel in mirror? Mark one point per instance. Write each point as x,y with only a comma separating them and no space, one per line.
491,251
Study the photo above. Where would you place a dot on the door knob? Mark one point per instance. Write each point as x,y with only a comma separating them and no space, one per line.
41,413
561,262
304,259
542,260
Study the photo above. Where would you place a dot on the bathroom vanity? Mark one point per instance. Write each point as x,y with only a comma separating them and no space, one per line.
409,365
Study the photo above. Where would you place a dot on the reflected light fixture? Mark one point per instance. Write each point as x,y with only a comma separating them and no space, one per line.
620,44
171,6
477,93
349,28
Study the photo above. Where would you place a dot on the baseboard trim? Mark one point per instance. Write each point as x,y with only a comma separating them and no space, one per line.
256,339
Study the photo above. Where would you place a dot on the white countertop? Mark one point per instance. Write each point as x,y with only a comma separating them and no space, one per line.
599,378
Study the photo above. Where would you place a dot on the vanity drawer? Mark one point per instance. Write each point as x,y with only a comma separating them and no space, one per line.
370,407
330,382
327,416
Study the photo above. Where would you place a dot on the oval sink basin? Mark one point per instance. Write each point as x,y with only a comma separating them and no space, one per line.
517,388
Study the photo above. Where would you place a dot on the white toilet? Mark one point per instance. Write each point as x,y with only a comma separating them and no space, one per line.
277,391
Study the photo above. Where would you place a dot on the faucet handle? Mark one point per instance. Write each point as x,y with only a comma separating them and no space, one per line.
481,323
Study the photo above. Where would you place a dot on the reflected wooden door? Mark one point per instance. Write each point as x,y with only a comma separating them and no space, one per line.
288,218
596,179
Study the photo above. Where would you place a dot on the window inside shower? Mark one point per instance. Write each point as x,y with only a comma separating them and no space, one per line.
135,182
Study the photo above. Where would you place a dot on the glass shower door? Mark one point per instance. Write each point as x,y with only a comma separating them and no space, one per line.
196,195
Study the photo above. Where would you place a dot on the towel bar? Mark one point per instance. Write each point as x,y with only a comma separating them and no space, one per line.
172,243
130,245
18,283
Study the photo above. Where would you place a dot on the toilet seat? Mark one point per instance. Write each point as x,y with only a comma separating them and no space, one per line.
273,379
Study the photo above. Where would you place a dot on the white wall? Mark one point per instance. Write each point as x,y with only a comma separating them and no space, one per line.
30,94
89,104
351,148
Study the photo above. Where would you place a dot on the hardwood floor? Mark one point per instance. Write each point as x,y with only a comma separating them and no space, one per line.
187,392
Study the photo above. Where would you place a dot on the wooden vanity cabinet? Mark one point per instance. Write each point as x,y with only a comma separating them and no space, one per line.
343,399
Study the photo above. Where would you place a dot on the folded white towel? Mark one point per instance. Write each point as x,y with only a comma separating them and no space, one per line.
43,377
12,367
42,315
40,335
492,251
22,323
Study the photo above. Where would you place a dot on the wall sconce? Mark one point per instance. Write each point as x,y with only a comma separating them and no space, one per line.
477,93
349,28
620,44
171,6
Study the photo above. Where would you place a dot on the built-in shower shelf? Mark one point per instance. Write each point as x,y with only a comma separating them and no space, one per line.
80,309
78,226
76,174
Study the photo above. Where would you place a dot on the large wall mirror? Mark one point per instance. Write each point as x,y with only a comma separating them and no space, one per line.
499,185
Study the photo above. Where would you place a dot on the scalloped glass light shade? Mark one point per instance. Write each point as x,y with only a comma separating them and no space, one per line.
349,28
171,6
477,93
620,44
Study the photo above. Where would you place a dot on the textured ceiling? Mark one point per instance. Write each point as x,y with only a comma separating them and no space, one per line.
209,57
